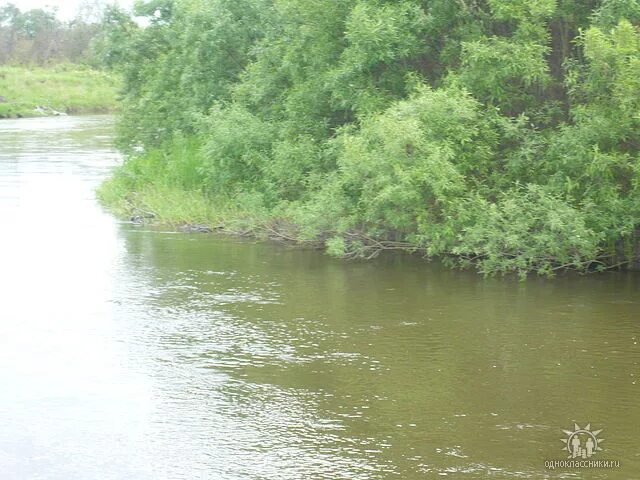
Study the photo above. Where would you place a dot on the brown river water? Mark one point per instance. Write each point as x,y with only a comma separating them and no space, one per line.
129,352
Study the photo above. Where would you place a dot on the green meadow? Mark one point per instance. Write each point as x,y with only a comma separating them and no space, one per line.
69,89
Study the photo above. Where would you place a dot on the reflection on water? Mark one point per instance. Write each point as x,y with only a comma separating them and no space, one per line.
128,352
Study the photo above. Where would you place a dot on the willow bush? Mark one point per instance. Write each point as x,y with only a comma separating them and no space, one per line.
499,133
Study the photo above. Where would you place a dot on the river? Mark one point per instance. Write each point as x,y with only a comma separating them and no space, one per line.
129,352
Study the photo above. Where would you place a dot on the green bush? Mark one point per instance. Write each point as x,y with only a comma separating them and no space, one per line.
503,134
527,229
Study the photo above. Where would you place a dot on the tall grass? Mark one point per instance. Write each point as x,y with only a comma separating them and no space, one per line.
168,183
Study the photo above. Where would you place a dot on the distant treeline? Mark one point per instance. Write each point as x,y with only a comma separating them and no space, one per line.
37,36
499,133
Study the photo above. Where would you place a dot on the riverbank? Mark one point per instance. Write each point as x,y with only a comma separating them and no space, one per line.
167,187
190,210
62,89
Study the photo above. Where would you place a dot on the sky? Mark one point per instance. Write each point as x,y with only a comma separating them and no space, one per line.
66,8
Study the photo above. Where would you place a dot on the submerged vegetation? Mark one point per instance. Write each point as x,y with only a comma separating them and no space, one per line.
498,133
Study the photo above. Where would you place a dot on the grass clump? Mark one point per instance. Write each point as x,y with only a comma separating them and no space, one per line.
166,185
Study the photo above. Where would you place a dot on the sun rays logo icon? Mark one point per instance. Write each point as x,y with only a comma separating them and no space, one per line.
582,442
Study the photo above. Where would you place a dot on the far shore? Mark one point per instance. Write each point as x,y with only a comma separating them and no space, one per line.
66,89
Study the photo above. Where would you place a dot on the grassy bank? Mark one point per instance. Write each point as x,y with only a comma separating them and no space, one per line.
170,186
175,207
164,187
170,205
69,89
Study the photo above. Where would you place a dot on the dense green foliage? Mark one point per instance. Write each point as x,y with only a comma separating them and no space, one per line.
504,133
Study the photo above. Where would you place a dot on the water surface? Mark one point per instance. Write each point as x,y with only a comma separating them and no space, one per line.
133,353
